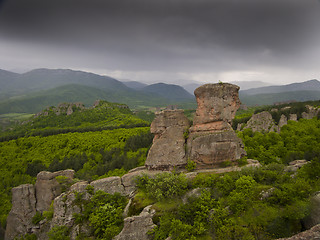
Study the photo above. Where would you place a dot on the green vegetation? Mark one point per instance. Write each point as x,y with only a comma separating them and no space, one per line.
276,111
256,203
297,140
90,154
103,212
56,121
59,233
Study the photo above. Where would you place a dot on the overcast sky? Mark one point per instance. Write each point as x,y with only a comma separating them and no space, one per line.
276,41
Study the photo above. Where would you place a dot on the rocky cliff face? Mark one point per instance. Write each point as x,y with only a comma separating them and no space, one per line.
168,149
212,139
47,187
27,199
23,209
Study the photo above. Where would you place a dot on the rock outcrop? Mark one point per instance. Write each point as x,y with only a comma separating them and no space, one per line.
283,121
22,211
110,185
47,187
27,199
212,139
311,112
137,227
65,207
168,149
261,122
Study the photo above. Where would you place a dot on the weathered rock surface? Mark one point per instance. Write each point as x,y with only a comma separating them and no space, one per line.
283,121
313,233
216,102
110,185
22,211
261,122
295,165
212,139
66,205
137,227
293,117
168,149
47,187
311,112
208,151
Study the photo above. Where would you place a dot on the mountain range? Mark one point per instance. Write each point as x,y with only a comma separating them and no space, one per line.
37,89
32,91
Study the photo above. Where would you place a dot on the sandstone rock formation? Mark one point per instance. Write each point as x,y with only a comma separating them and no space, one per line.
283,121
212,139
293,117
65,207
261,122
22,211
295,165
47,187
27,199
168,149
311,112
137,227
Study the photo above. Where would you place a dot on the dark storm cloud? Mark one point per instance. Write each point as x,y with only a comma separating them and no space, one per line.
153,34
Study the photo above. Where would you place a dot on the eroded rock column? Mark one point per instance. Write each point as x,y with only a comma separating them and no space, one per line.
168,148
23,209
212,140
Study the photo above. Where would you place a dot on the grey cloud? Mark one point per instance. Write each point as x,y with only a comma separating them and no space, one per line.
168,34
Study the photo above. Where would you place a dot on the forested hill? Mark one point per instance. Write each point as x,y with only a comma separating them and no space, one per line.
69,117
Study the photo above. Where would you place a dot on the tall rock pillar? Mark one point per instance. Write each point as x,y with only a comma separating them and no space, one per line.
168,148
211,138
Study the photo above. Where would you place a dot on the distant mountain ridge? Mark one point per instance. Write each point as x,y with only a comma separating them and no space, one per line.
135,85
310,85
32,91
169,91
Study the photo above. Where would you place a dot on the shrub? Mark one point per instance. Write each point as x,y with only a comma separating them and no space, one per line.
191,165
59,233
38,217
163,186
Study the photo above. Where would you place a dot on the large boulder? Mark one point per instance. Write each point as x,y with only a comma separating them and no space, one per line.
210,150
212,139
48,188
261,122
168,149
137,227
22,211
